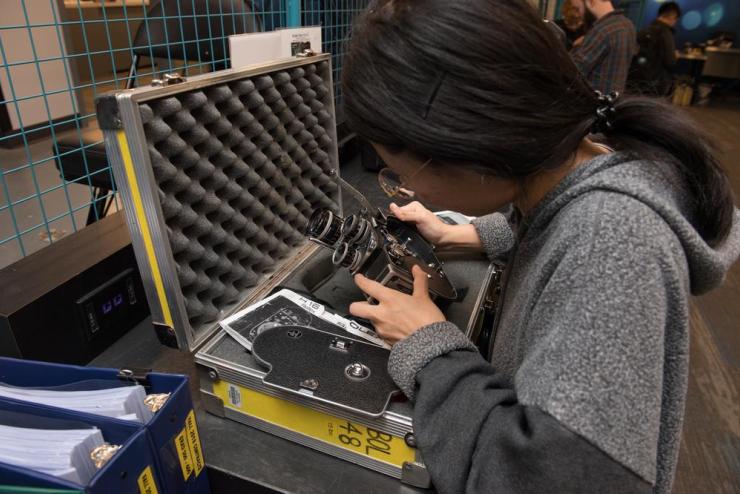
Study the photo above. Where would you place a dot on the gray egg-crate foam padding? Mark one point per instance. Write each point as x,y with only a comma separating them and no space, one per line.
240,167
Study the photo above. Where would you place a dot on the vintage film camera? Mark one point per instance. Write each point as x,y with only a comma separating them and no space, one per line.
379,246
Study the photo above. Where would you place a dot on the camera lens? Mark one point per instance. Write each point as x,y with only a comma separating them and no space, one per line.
355,229
345,256
325,227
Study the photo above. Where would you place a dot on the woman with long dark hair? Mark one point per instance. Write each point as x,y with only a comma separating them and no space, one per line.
621,212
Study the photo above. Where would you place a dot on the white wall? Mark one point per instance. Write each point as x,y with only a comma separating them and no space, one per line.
17,46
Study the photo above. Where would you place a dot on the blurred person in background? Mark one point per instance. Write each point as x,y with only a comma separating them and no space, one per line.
571,22
605,55
652,69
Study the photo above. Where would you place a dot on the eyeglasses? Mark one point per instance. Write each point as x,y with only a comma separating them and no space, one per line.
394,186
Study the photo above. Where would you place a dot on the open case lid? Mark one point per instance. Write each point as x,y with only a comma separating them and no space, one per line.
218,175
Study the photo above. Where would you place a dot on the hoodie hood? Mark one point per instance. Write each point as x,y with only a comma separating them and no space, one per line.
648,183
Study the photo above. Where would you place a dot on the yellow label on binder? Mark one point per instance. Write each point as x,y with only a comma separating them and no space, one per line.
147,485
194,441
351,436
184,452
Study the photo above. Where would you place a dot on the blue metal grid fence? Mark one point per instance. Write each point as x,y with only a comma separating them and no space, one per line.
335,18
56,56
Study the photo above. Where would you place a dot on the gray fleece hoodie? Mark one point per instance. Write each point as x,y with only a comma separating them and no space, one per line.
587,377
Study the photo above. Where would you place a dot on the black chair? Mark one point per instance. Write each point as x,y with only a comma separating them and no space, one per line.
196,31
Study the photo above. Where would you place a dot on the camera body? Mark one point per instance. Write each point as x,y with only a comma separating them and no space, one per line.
380,247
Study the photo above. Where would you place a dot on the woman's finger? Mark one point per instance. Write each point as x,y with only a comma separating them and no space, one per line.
401,213
373,288
409,212
421,282
363,310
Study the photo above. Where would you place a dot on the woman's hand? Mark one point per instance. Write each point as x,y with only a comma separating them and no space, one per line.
439,233
397,315
429,225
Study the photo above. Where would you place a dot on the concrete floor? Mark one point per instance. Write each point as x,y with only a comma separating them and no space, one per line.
710,452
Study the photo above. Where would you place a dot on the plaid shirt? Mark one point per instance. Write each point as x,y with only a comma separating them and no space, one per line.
606,53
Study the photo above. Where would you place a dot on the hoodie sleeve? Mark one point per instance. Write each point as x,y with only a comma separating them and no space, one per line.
495,234
583,412
475,436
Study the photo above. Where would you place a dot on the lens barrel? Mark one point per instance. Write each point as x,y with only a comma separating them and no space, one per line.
325,227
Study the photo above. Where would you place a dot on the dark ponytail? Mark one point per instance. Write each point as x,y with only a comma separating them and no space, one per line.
486,83
653,129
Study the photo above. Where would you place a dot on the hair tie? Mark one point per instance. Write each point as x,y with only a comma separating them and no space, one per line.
605,112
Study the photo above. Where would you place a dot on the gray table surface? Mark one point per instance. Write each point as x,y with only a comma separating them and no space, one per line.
254,460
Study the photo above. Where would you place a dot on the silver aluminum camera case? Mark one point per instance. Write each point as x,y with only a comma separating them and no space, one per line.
126,145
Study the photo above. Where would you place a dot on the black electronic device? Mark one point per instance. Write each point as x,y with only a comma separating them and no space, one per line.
71,300
378,246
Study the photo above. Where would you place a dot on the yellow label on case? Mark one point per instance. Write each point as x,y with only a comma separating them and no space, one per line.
182,445
194,442
346,434
147,485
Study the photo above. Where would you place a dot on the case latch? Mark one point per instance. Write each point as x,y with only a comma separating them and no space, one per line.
169,80
134,374
306,53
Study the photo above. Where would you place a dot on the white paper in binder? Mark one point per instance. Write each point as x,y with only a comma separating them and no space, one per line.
59,452
124,402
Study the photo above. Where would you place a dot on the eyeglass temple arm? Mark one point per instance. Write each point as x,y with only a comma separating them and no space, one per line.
354,192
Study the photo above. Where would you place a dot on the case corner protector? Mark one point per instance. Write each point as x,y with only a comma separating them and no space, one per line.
108,114
416,475
212,404
165,335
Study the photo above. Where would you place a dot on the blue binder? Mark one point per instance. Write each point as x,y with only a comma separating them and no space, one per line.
172,433
132,469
